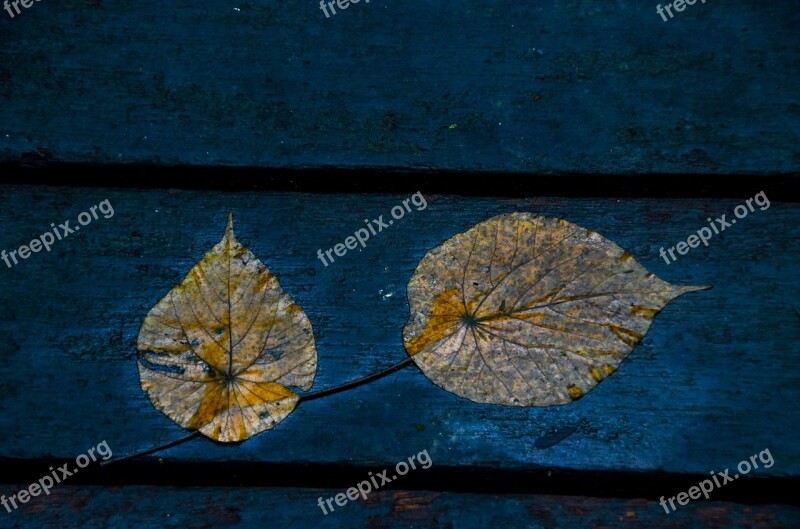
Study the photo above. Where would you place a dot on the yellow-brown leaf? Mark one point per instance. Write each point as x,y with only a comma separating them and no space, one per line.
219,352
529,311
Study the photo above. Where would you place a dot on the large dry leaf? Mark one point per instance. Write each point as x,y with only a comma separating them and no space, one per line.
220,350
528,311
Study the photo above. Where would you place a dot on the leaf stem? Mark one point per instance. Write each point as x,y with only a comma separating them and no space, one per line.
153,449
358,382
307,396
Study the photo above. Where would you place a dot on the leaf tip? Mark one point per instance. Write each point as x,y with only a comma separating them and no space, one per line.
686,289
229,235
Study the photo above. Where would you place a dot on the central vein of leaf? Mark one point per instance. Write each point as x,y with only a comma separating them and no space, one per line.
468,320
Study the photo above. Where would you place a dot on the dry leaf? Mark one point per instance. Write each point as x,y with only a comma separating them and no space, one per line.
528,311
220,350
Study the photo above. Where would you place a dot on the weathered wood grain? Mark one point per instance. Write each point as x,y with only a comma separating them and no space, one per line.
714,381
149,507
554,85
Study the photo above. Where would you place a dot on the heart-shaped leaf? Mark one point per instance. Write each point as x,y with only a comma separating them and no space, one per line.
529,311
219,352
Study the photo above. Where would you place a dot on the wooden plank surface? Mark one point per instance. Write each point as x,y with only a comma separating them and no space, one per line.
713,382
536,87
93,507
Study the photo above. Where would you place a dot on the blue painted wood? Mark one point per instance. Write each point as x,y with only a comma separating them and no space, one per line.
713,382
536,87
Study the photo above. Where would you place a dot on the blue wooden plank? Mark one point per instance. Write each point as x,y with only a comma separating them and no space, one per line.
536,87
712,383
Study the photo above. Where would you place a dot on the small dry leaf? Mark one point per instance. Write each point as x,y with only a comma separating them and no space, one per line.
220,350
528,311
